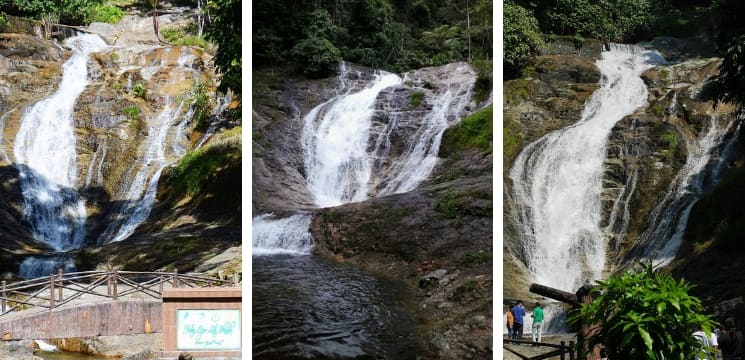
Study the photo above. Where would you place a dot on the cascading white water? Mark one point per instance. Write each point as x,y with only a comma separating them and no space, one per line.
340,148
670,217
419,160
44,150
289,235
558,178
140,192
335,141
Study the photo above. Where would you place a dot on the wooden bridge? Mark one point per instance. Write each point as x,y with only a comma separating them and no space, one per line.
91,303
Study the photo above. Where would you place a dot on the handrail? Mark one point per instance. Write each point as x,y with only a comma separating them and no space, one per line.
56,290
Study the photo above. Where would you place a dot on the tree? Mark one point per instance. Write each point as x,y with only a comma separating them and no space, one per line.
644,314
225,31
316,54
521,35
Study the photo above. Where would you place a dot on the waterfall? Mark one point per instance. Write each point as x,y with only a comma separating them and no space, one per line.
420,158
289,235
335,141
140,192
558,178
343,145
45,155
165,143
669,218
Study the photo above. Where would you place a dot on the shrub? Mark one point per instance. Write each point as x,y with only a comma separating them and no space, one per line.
416,99
199,99
644,314
106,13
132,112
522,36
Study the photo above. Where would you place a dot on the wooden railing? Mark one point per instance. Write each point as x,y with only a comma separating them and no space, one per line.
562,350
60,289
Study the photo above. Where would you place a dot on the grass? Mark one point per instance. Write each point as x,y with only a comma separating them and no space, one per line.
185,36
448,206
199,168
475,131
132,112
415,100
480,257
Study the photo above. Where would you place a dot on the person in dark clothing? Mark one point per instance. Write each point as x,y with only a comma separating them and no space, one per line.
731,341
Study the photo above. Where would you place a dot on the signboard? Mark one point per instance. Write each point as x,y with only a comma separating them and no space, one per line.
208,329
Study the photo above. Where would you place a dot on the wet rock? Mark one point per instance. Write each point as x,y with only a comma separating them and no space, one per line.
431,280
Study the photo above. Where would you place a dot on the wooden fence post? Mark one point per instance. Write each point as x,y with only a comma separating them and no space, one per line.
235,280
115,281
51,292
571,350
59,277
562,350
175,278
108,283
5,295
161,285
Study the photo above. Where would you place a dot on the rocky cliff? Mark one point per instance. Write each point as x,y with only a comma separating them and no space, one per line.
133,82
647,151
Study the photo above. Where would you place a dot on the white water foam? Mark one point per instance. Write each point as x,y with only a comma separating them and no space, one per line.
44,150
558,178
289,235
335,140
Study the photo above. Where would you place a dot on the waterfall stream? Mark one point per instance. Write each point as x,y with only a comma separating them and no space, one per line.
45,154
558,178
345,140
44,150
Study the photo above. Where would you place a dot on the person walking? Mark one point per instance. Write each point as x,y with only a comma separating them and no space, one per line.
510,322
519,313
537,322
731,341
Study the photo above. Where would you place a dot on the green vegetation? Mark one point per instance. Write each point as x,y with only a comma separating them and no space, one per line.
198,98
478,258
483,86
416,99
132,112
389,34
657,109
225,31
139,90
185,36
106,13
522,36
475,131
720,216
512,141
71,12
448,206
644,314
670,140
4,23
200,171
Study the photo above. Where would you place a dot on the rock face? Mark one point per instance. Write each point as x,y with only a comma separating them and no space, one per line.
436,238
120,118
550,98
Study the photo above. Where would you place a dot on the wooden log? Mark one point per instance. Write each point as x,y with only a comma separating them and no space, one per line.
556,294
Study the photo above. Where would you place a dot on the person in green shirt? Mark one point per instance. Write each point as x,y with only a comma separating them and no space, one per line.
537,322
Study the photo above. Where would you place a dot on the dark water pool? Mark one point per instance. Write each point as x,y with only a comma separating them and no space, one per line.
307,308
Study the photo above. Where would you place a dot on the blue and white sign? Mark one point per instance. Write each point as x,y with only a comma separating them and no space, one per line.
208,329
